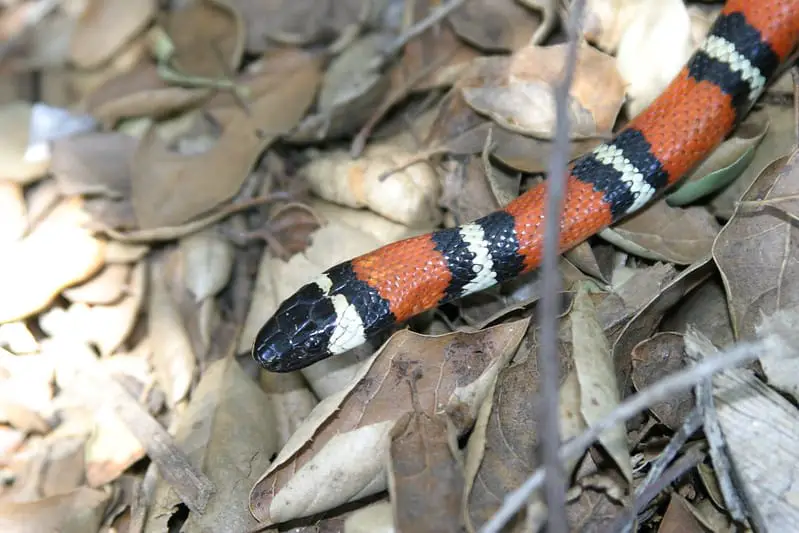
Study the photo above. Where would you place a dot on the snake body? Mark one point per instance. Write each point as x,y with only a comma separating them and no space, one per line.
356,299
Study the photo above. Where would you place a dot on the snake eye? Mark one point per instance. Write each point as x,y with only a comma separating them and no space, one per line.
298,333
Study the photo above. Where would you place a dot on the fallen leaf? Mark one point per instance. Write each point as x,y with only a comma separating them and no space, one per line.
95,163
654,358
78,511
663,233
593,364
346,436
755,252
171,188
409,196
654,45
704,309
495,25
525,102
59,252
208,38
207,261
137,92
104,288
173,358
105,27
678,517
424,478
647,317
226,402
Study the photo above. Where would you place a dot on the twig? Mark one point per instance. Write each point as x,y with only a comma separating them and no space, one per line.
417,29
170,233
630,407
548,360
656,475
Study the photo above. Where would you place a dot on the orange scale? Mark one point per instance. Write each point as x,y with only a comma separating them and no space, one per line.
777,21
411,275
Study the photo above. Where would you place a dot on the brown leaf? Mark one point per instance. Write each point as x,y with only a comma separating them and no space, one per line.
208,37
593,364
409,196
495,25
170,188
704,309
654,358
593,511
105,27
173,358
679,518
663,233
78,511
59,252
298,22
345,438
140,92
425,480
225,403
96,163
647,318
437,55
501,452
756,251
525,102
106,287
779,141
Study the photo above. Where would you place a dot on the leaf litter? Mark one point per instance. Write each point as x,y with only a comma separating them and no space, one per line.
177,172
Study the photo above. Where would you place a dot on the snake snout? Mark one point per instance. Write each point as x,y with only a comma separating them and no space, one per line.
298,334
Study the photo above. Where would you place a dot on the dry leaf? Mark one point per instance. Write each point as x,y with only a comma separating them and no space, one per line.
173,357
654,358
291,399
663,233
755,252
593,364
425,479
409,196
679,518
94,164
225,403
207,261
338,454
647,318
104,288
137,92
495,25
78,511
171,188
58,253
704,309
105,27
526,102
208,36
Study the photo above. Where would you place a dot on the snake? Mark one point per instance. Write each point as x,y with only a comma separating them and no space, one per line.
356,300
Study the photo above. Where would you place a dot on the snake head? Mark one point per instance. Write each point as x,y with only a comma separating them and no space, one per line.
299,332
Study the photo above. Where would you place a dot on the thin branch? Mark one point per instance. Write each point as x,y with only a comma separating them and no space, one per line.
548,358
632,406
417,29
